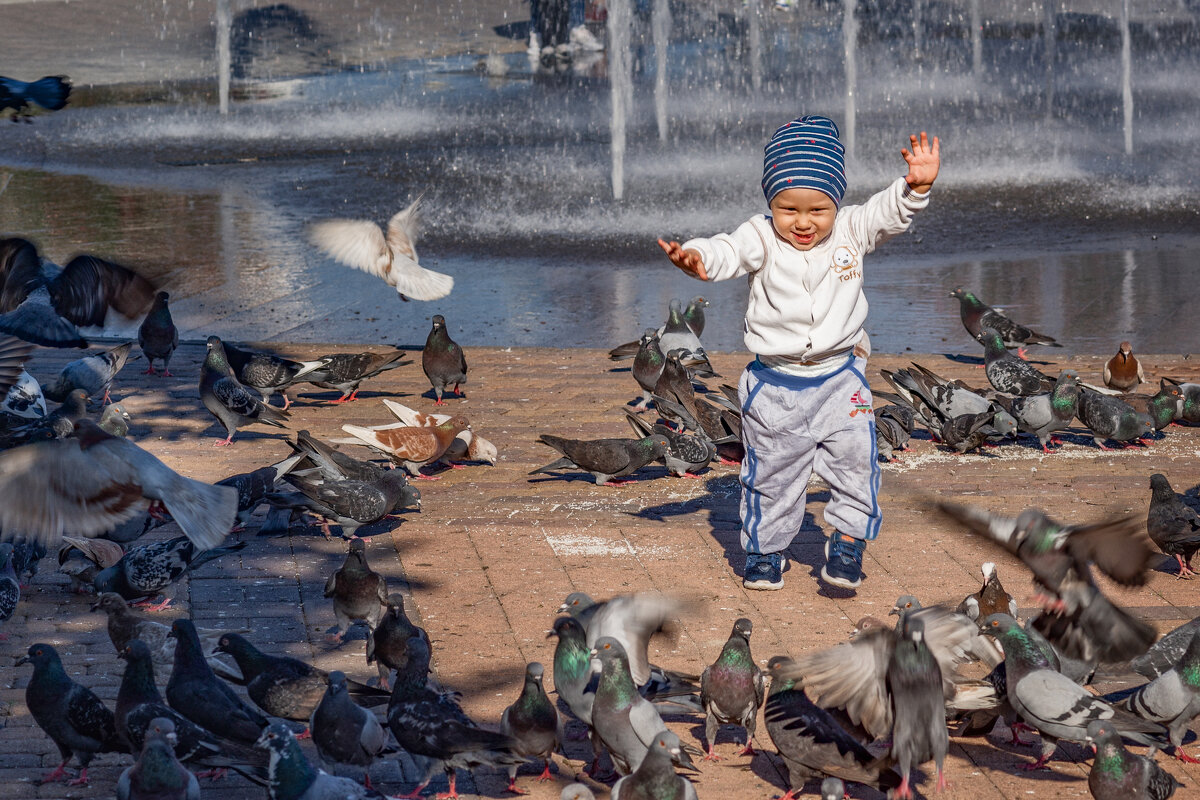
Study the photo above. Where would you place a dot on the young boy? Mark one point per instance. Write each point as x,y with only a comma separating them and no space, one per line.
805,401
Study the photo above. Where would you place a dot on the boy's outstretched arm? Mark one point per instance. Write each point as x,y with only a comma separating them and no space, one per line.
689,260
923,161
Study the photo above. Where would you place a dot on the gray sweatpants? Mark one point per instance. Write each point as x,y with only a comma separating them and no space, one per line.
792,426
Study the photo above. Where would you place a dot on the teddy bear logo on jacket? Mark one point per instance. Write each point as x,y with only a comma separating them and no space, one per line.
845,263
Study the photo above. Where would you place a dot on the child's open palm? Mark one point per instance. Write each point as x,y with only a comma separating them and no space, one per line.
923,161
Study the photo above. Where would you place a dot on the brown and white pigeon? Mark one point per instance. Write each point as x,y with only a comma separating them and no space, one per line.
409,446
990,599
1123,371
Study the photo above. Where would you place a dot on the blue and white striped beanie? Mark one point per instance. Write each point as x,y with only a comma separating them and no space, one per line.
805,153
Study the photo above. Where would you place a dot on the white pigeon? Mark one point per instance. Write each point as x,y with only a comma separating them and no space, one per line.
391,254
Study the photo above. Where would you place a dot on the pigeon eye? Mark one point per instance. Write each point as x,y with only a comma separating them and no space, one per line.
607,646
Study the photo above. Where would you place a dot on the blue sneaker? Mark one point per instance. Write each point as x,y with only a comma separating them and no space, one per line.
843,561
764,571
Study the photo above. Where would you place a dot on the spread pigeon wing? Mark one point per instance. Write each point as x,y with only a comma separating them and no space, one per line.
413,280
851,675
356,243
402,231
88,286
1120,548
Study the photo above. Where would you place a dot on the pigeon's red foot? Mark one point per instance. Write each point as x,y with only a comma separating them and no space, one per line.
1039,764
711,755
1016,729
307,734
82,780
512,787
730,462
457,466
450,795
439,402
620,481
942,783
1021,354
161,606
167,373
904,791
334,638
1184,757
58,774
748,750
223,442
150,371
546,776
415,794
420,476
212,774
689,475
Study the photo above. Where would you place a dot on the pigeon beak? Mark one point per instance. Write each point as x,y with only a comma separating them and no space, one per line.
96,606
682,759
550,634
21,660
895,612
595,653
563,608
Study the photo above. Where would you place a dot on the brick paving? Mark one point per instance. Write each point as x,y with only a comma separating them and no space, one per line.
493,552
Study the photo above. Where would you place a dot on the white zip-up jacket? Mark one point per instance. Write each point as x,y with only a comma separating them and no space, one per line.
808,305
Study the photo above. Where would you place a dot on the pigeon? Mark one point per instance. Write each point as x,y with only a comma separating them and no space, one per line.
966,433
574,677
1173,526
93,374
468,444
648,363
90,483
685,456
24,397
124,626
1166,652
114,420
990,599
832,789
349,504
1078,620
1117,774
70,714
396,641
410,446
334,464
1190,412
943,399
390,255
914,684
1112,418
532,724
675,385
157,773
1163,408
292,777
443,361
606,459
345,371
1050,701
50,93
10,587
347,736
58,424
43,303
1173,698
624,721
145,571
1123,371
1006,372
677,334
655,778
81,559
286,687
434,729
732,689
1043,414
811,742
157,335
893,430
976,317
966,648
358,593
253,487
693,316
268,373
195,691
228,400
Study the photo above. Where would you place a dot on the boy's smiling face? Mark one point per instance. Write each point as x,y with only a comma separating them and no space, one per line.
802,217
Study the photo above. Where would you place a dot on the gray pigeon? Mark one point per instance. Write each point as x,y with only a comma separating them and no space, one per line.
94,374
676,334
1117,774
1051,702
732,689
685,456
1172,524
532,724
966,432
292,777
1006,372
978,317
228,400
606,459
268,373
893,430
1190,411
1173,698
914,684
443,361
24,398
358,592
348,738
396,641
157,774
675,385
345,371
158,335
648,366
114,420
631,619
655,778
575,679
253,487
1163,408
1112,418
195,691
1043,414
350,504
1166,652
147,570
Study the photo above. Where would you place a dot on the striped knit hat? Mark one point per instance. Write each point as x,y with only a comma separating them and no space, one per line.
805,153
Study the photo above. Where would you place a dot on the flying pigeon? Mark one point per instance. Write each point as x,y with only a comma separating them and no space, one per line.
443,360
410,446
1173,698
347,736
1123,372
43,303
606,459
1173,525
1006,372
268,373
88,484
1111,418
732,689
976,316
390,255
93,374
50,93
532,724
345,371
197,693
157,773
358,592
146,570
655,777
1117,774
24,397
686,454
70,714
990,599
396,641
228,400
157,335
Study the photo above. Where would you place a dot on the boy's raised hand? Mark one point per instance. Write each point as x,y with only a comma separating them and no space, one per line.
923,162
687,260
